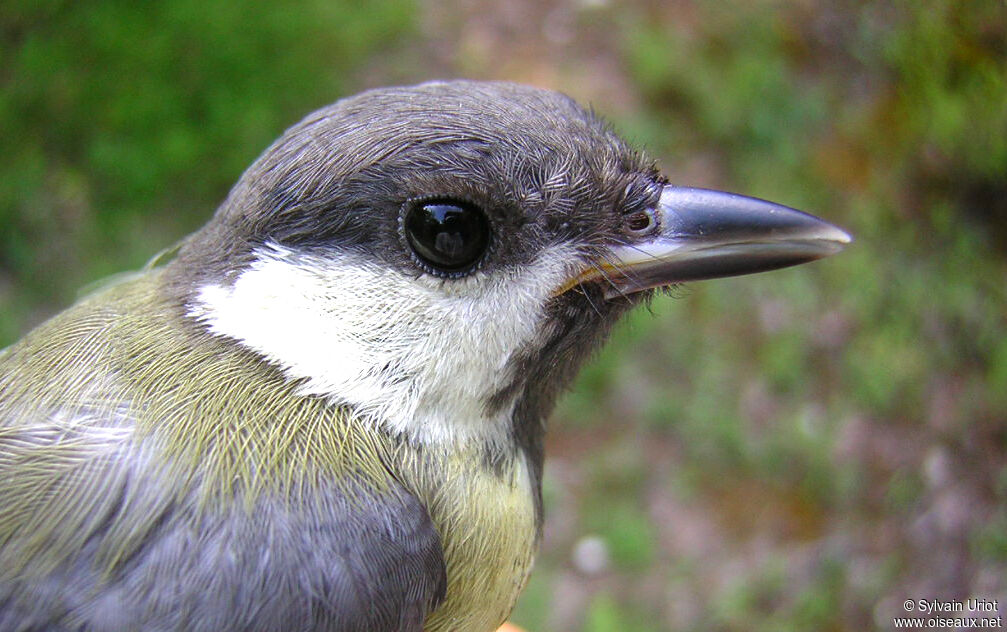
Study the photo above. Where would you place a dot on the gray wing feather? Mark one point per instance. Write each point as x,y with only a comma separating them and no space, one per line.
370,563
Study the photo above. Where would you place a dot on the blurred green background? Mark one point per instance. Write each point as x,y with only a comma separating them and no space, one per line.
800,450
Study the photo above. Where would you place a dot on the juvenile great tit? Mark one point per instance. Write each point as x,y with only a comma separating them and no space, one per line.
326,412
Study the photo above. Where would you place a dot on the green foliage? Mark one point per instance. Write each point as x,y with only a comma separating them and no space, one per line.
125,124
951,81
627,532
605,614
533,609
768,603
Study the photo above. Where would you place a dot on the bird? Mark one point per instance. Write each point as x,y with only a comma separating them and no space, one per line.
325,409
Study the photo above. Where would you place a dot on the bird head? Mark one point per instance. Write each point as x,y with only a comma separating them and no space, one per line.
440,259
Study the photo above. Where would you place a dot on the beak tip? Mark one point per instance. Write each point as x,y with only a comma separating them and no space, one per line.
842,237
834,238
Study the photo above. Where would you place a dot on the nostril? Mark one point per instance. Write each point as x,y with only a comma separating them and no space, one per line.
640,222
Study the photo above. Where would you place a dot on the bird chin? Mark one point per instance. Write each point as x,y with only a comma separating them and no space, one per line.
600,292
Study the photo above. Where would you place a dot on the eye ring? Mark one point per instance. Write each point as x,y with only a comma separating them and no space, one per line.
445,236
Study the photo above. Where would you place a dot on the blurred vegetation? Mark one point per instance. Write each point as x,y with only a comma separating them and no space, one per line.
801,450
124,124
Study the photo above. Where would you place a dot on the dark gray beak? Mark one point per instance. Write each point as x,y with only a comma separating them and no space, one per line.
703,234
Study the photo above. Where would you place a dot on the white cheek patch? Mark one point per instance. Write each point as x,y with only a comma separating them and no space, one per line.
417,355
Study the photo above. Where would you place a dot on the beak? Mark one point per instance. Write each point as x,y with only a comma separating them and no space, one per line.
702,234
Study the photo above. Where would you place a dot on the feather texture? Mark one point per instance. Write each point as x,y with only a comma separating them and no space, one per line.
166,464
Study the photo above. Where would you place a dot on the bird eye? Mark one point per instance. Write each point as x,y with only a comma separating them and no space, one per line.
449,236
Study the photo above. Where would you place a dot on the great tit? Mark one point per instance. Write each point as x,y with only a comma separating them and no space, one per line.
326,411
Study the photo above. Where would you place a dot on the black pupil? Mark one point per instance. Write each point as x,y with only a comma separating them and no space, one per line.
448,236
